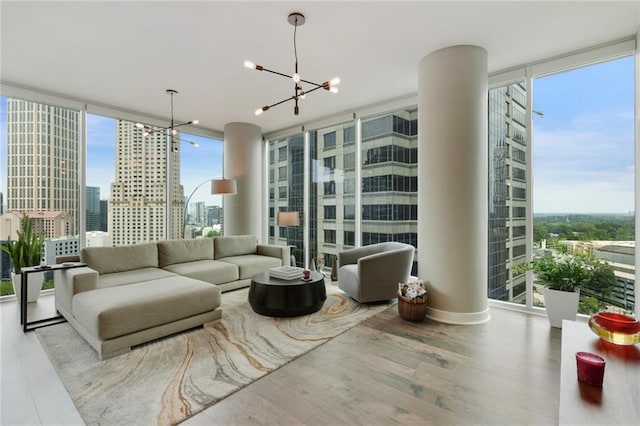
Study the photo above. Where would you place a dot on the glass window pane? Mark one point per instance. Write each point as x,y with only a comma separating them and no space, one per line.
286,160
507,194
333,175
199,164
39,148
583,156
390,178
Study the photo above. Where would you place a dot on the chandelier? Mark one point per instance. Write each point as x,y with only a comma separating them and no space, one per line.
149,130
299,92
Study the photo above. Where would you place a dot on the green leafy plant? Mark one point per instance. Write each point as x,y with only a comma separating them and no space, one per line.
568,273
27,249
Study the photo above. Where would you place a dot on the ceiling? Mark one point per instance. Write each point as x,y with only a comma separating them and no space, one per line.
126,54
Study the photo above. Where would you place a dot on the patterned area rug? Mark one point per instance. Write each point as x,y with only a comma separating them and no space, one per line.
172,379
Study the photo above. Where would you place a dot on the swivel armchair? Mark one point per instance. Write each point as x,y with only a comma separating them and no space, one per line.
372,273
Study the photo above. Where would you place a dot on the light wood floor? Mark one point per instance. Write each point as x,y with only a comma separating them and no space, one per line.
383,371
389,371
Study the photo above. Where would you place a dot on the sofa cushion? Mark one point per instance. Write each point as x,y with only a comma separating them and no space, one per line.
116,311
251,265
211,271
131,277
107,260
236,245
181,251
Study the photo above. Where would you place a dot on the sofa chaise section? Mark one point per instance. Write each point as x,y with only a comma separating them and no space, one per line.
112,320
122,299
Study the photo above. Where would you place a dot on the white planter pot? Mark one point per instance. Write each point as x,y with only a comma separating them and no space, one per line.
561,305
34,285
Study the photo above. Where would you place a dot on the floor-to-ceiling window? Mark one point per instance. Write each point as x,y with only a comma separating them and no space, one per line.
132,190
332,191
583,171
101,170
39,153
561,164
507,191
286,193
389,153
200,161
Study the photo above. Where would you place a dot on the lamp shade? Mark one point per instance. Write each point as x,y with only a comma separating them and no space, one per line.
223,186
288,219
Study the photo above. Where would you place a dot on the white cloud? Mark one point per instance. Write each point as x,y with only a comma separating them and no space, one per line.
588,166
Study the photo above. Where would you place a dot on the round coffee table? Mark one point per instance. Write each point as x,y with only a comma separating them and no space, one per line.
286,298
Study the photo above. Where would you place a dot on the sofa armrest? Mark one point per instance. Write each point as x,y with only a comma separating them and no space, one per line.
69,282
280,252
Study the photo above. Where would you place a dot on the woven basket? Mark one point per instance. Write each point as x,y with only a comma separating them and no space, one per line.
412,309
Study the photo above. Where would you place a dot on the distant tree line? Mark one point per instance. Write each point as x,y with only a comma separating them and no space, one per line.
584,227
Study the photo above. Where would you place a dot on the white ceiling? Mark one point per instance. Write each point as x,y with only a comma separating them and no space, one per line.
125,54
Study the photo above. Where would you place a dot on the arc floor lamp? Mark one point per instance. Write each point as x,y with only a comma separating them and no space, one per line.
219,186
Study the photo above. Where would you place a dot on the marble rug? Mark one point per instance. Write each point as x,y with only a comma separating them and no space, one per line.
172,379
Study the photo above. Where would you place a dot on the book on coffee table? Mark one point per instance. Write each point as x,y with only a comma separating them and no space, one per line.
286,272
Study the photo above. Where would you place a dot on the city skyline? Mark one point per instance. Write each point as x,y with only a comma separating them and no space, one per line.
583,147
197,163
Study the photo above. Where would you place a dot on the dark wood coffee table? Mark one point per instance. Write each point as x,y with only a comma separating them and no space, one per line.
286,298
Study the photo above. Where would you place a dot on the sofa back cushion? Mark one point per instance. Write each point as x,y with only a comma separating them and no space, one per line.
107,260
182,251
236,245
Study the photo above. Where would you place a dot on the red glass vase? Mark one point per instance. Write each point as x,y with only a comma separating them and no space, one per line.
616,328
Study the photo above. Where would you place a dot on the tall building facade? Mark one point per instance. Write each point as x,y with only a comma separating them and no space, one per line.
138,199
507,192
389,185
286,193
93,208
42,159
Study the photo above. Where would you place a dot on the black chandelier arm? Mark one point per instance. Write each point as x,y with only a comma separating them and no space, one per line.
261,68
274,72
162,129
290,98
312,83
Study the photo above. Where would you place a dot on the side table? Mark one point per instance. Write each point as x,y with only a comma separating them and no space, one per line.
23,300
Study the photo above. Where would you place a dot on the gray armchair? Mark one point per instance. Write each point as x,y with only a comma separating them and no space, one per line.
372,273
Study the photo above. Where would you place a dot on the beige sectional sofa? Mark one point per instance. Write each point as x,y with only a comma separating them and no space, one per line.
129,295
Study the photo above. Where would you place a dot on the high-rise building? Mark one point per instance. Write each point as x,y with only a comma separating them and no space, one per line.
104,215
42,154
138,202
389,185
93,208
507,192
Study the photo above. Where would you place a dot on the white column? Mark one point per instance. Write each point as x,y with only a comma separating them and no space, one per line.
452,183
243,162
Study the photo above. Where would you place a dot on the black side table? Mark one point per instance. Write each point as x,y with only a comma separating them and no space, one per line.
23,299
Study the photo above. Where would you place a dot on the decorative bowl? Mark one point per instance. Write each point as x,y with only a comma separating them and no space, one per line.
615,328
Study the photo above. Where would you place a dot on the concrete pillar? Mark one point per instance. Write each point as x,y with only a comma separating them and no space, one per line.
452,183
243,162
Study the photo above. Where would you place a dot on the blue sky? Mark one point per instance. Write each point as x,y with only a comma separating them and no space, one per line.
583,157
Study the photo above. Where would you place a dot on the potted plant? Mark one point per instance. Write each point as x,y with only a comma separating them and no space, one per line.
26,251
563,275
